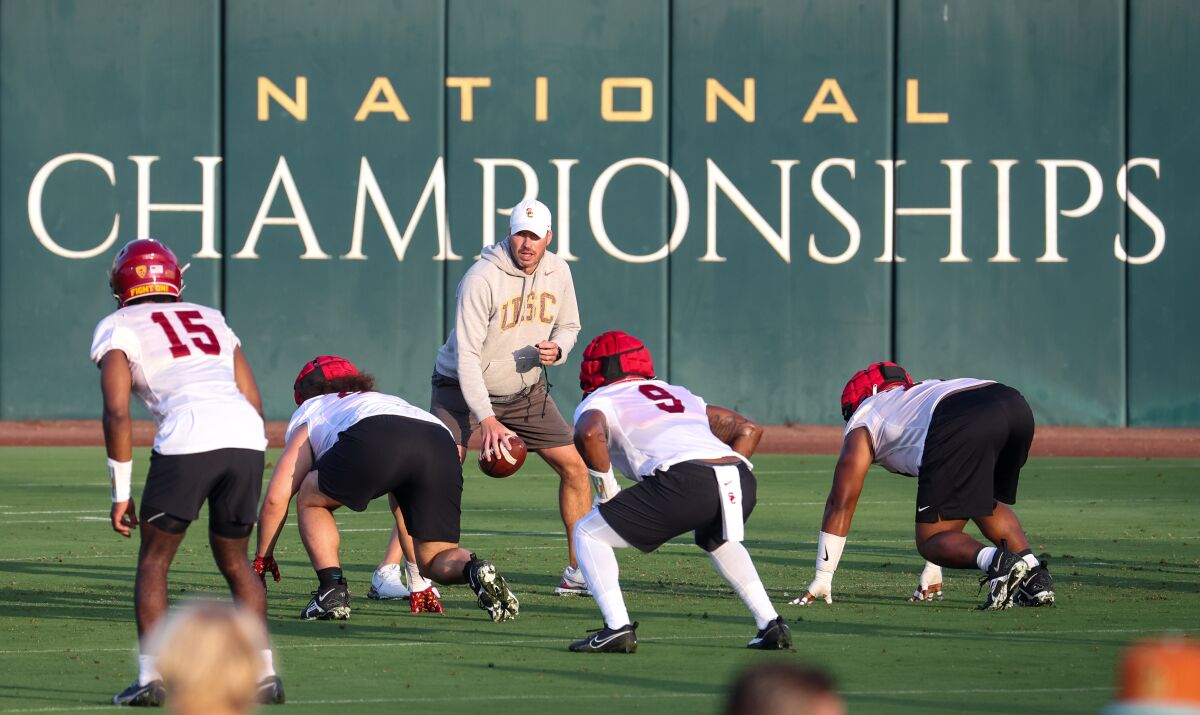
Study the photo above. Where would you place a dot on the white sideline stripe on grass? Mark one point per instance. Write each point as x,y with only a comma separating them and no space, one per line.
340,515
652,639
591,696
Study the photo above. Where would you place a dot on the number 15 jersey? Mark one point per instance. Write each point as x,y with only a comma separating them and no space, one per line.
653,425
181,358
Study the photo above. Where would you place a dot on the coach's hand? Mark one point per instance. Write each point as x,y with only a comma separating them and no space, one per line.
493,433
263,564
124,517
821,587
548,352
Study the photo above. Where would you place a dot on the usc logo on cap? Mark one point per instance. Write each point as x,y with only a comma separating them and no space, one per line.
529,211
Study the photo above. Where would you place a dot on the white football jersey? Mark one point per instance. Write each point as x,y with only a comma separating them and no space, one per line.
653,425
181,356
327,416
898,421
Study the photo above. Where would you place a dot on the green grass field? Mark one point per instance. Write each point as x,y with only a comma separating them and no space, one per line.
1123,537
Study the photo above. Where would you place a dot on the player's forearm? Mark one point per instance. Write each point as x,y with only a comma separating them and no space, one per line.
118,435
839,512
270,524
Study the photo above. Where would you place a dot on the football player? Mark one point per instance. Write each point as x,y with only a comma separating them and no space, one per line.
691,464
346,445
187,367
965,442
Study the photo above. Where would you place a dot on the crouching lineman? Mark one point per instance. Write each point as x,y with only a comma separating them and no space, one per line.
347,444
965,441
690,462
187,367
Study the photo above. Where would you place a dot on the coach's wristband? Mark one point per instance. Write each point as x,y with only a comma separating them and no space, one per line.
829,551
605,484
120,474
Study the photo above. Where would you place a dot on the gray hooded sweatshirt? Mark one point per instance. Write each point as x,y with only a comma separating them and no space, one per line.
502,314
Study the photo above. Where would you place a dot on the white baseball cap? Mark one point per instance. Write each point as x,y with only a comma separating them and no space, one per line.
531,215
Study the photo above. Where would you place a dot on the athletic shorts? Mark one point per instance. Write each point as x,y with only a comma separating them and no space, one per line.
229,479
978,441
533,416
413,460
675,501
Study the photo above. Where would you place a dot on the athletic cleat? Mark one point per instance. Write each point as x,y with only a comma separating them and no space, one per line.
425,601
333,603
1002,577
1037,588
270,691
386,584
572,583
491,590
609,640
776,636
150,695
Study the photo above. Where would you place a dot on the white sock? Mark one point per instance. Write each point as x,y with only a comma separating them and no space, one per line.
147,672
416,582
268,664
984,558
1031,560
734,564
594,544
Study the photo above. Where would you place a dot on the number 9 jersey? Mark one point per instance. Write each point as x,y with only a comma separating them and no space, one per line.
653,425
181,358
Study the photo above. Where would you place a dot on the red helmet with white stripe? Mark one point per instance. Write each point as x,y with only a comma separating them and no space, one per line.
319,371
145,268
865,383
612,356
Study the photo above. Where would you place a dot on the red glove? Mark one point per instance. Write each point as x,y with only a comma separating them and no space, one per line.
264,564
425,601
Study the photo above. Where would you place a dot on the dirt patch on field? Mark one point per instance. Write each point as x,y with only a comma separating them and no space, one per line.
799,439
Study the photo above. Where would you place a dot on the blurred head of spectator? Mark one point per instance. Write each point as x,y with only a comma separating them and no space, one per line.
210,658
783,689
1159,677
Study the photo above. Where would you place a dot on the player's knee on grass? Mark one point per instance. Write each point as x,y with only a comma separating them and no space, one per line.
162,521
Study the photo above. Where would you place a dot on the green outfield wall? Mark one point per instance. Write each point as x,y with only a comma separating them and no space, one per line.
771,193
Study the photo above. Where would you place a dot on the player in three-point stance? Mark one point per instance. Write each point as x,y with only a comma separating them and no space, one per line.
691,464
187,367
965,441
346,445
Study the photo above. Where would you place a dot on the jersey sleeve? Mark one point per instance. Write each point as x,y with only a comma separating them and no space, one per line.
111,334
300,418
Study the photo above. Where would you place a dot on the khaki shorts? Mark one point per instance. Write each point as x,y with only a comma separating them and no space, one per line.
533,416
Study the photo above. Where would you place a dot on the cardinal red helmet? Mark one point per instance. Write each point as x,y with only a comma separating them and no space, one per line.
320,370
612,356
870,381
144,268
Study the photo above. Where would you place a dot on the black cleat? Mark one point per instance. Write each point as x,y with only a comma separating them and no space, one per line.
330,603
776,636
1037,588
491,591
1003,575
150,695
609,640
270,691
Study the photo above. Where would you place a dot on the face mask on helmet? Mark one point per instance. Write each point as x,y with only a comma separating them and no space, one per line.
866,383
613,356
145,268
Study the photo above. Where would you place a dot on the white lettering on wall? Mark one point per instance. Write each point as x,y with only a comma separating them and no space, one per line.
781,241
1095,190
596,210
838,212
1141,211
38,224
299,217
207,208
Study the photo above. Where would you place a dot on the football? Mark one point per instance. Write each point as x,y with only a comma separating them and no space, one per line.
507,462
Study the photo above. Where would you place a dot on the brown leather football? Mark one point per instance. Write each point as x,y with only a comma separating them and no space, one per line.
507,461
